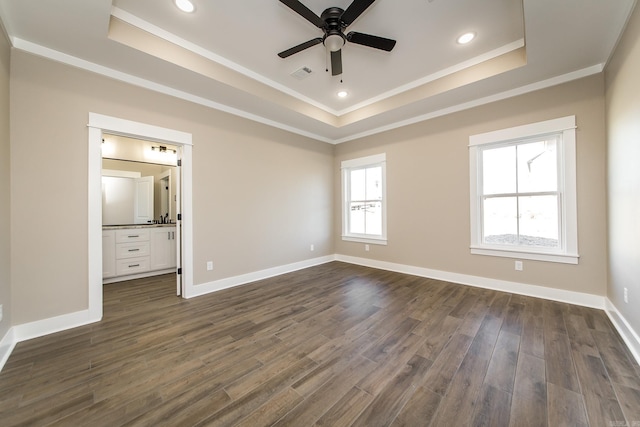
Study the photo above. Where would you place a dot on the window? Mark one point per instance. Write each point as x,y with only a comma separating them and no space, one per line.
364,200
523,192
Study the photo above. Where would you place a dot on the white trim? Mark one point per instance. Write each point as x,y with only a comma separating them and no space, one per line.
521,254
97,124
64,58
72,320
362,163
630,337
7,344
199,50
540,128
73,61
437,75
230,282
138,276
39,328
561,295
566,165
371,240
554,81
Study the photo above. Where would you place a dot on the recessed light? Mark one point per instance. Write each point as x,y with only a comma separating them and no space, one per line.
185,5
343,94
466,38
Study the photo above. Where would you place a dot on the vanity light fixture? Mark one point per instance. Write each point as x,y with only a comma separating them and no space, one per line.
466,38
185,5
162,149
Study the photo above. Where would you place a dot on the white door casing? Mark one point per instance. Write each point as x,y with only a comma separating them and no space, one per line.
98,124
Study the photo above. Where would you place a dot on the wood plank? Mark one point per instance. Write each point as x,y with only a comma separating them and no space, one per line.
600,399
566,408
493,408
419,410
529,402
502,367
559,361
345,410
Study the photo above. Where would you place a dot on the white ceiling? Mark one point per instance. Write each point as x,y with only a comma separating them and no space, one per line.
225,54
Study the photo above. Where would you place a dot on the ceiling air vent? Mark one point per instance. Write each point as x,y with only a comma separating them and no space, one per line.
302,73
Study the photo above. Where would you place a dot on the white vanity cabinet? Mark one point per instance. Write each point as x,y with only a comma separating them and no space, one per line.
134,252
163,248
108,253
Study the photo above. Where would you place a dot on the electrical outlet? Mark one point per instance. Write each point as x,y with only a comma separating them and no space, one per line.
209,265
626,295
518,265
312,248
366,248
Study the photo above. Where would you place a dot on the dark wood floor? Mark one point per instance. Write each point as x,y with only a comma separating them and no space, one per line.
332,345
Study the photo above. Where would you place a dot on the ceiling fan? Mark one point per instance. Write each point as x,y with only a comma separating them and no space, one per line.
332,22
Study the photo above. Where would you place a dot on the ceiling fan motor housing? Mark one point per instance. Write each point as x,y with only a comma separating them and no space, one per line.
333,39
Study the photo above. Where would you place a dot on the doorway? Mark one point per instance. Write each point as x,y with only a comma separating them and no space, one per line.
98,126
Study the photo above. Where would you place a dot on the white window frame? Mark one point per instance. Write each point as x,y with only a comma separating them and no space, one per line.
568,252
360,163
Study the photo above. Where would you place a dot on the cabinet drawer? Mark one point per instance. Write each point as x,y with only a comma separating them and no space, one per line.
132,250
132,235
132,266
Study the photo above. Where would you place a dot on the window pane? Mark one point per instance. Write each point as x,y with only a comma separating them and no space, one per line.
373,218
358,181
539,221
374,183
500,226
537,166
356,217
499,170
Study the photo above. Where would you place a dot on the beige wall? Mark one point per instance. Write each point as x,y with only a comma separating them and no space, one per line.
623,138
428,189
5,224
260,196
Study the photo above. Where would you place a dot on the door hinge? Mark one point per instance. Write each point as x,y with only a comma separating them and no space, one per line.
179,217
179,162
180,271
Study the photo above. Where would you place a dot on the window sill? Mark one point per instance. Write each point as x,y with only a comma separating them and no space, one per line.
370,240
530,255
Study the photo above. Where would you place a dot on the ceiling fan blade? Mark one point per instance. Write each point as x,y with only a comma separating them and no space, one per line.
355,9
336,63
304,11
371,41
300,47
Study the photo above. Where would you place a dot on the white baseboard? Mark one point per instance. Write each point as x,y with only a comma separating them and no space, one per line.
39,328
7,345
230,282
571,297
43,327
630,337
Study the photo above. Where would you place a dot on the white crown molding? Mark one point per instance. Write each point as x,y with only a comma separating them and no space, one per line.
199,50
554,81
73,61
437,75
147,84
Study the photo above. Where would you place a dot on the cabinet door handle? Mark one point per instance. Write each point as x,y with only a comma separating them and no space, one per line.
168,235
173,235
134,250
134,265
131,237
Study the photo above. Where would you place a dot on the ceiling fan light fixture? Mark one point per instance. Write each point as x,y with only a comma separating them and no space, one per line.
466,38
334,42
185,5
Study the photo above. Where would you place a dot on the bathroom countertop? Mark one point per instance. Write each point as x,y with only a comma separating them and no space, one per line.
118,227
